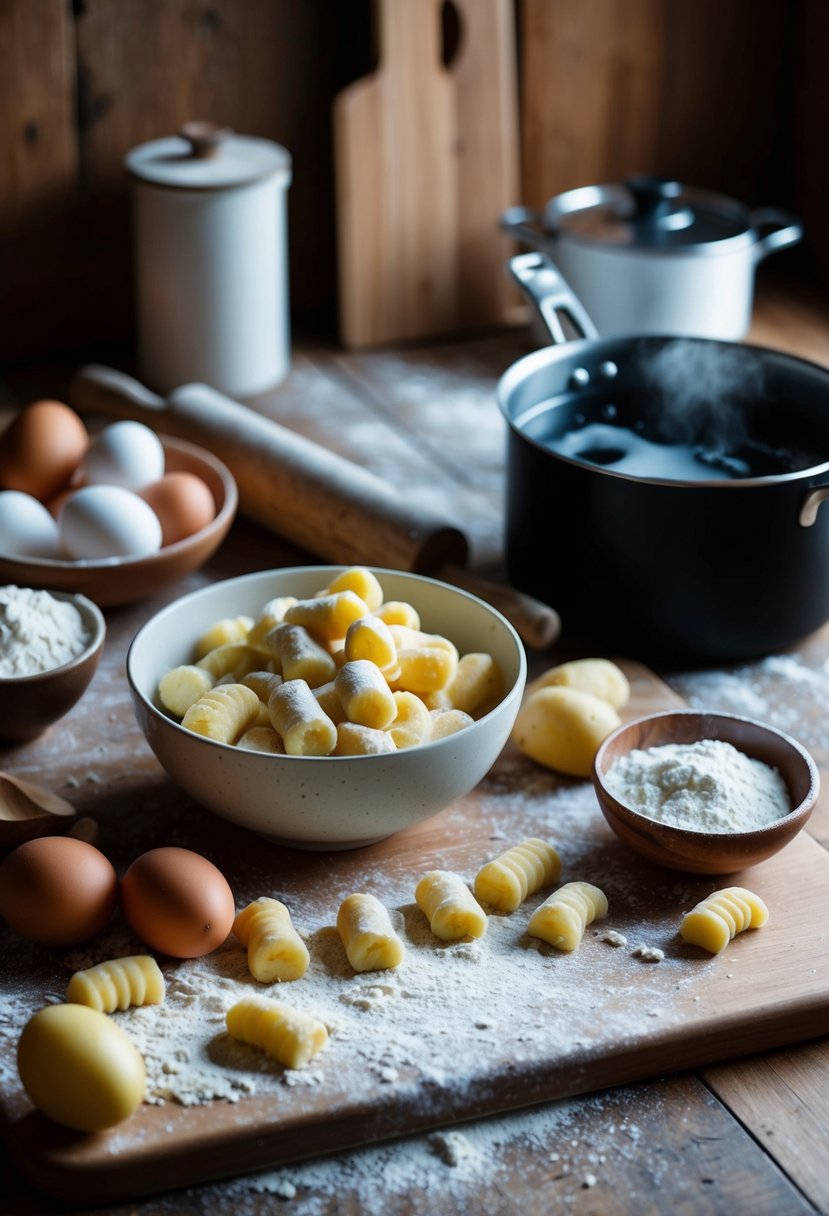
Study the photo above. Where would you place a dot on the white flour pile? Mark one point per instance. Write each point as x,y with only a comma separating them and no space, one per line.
37,632
707,786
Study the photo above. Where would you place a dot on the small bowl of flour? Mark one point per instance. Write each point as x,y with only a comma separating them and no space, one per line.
707,793
50,647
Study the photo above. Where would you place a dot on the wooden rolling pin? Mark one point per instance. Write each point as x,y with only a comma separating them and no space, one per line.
308,494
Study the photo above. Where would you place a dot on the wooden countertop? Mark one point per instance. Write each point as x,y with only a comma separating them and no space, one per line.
749,1136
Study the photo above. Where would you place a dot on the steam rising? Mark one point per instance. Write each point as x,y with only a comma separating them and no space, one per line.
703,390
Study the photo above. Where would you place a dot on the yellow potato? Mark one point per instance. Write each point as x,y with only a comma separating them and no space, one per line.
598,676
563,728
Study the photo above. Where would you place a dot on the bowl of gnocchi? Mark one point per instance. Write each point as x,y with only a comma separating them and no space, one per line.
327,707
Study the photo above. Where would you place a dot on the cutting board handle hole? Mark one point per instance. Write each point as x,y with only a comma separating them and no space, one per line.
451,32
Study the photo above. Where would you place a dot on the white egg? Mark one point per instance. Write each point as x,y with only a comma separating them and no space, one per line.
108,521
26,527
125,454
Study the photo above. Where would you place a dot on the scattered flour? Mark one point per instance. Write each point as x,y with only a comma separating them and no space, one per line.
37,632
708,786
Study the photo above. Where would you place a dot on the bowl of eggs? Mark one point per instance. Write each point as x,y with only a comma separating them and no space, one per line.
115,515
705,793
327,707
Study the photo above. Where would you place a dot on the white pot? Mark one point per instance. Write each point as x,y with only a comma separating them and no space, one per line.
654,257
211,261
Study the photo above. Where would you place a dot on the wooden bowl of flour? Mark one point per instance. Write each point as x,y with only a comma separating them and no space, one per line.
707,847
29,703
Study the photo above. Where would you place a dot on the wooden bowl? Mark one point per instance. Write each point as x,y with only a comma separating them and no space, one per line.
126,579
707,852
29,704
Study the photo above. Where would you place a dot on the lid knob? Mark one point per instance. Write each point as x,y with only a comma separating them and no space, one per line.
654,201
205,138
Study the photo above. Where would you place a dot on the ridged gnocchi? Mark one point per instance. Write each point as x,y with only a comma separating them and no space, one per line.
118,983
224,713
291,1036
721,916
449,906
367,934
505,882
562,919
275,949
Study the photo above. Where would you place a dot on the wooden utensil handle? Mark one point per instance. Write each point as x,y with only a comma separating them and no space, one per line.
307,494
304,492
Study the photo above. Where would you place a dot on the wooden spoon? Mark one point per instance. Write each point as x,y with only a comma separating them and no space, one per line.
28,810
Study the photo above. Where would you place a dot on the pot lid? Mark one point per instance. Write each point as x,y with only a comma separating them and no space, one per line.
648,213
205,156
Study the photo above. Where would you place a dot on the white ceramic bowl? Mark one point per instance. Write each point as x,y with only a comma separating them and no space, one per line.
330,802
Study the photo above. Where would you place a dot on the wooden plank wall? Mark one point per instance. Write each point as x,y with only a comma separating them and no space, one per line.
701,89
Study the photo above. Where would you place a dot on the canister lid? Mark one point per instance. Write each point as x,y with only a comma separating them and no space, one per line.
205,156
649,212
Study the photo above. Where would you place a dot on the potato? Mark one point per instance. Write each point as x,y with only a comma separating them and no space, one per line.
562,728
597,676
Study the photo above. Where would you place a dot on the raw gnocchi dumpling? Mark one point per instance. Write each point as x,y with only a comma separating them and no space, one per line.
721,916
118,983
368,935
275,949
449,906
563,917
505,882
291,1036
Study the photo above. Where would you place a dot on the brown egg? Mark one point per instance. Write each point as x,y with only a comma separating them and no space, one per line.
41,449
183,503
177,902
57,891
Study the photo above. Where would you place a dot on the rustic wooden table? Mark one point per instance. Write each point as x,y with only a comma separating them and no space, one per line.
748,1136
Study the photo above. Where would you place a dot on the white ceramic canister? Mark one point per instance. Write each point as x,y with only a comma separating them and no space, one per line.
211,260
651,256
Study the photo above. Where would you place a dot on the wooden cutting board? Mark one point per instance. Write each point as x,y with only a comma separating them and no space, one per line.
457,1031
426,160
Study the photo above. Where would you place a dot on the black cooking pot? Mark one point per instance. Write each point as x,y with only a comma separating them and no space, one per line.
664,493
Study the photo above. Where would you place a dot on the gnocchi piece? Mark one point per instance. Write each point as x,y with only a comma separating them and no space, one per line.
275,949
263,683
446,722
270,616
231,629
329,702
597,676
476,687
299,720
370,638
449,906
563,728
368,935
356,740
505,882
721,916
262,739
328,616
289,1035
362,582
118,983
224,713
562,919
398,612
300,657
424,669
234,659
179,688
411,724
364,694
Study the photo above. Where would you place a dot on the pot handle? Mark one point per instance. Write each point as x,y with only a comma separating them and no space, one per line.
809,507
551,296
785,229
524,225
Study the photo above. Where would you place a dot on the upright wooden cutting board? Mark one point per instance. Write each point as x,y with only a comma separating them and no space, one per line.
426,161
549,1026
